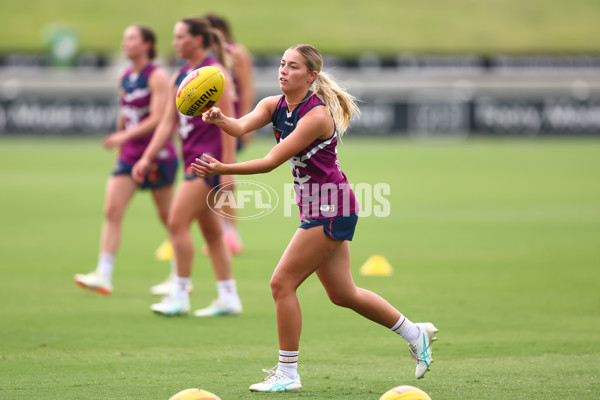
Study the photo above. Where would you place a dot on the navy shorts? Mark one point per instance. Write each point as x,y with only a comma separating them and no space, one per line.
337,228
211,181
161,174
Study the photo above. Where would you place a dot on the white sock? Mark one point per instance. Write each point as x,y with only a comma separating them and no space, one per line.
178,290
408,330
106,264
228,292
288,363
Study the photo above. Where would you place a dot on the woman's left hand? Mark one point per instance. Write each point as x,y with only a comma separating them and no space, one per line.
206,166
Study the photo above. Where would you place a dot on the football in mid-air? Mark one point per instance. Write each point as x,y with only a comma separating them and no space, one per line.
200,91
194,394
405,393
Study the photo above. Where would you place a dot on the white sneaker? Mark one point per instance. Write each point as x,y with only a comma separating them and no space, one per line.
94,281
218,308
421,350
171,306
277,382
164,288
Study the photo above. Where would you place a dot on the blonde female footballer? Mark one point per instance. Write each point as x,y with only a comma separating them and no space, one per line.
307,120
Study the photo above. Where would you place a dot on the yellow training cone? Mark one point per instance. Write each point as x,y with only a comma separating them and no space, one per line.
376,265
165,251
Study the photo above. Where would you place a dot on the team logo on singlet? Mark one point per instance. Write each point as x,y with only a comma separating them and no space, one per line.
327,208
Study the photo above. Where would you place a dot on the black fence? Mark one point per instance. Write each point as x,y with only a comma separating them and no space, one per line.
503,63
426,117
481,115
58,116
425,95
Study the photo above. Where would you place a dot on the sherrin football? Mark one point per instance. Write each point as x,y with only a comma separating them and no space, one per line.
405,393
200,91
194,394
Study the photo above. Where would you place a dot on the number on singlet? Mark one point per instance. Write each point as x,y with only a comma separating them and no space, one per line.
185,126
131,117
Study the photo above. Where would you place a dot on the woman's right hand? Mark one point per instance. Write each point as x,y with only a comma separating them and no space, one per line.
115,139
213,116
140,170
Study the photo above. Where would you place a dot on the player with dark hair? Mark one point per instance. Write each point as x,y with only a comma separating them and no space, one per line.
242,73
143,98
307,120
201,45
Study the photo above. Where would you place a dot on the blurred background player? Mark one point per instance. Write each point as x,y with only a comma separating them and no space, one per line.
242,73
310,115
201,45
143,98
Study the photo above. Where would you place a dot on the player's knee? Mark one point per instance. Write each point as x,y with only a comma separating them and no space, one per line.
279,287
275,287
113,213
174,224
340,299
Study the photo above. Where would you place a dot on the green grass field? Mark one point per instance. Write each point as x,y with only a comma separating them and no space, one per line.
496,241
335,26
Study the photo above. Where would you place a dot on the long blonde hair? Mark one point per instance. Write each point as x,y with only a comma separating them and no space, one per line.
341,104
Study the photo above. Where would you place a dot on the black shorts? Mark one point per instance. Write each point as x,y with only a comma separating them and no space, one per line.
338,228
161,173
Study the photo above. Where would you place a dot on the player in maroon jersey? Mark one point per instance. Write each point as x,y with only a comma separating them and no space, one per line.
201,45
307,120
143,98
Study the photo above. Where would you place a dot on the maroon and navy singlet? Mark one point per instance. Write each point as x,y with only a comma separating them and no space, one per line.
322,189
135,107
